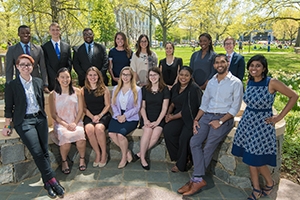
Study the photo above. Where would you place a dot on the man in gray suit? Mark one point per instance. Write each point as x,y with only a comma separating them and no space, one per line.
35,51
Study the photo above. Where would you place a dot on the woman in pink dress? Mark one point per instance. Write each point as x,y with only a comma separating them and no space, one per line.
66,107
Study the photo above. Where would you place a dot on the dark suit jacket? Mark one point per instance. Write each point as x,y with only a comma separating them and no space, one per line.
53,64
15,99
36,52
237,66
81,61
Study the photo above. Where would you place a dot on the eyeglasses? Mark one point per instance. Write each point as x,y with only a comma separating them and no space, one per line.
23,65
143,41
126,74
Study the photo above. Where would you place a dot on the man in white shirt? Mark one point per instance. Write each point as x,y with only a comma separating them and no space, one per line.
221,101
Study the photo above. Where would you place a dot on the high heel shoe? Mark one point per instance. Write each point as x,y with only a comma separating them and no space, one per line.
147,167
66,170
129,156
135,158
96,164
122,165
82,167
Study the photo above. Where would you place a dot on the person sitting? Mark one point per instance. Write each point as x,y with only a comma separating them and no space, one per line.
66,108
96,104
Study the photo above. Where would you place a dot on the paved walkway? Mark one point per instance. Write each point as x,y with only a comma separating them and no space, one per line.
133,182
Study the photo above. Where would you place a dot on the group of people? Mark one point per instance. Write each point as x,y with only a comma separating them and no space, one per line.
193,106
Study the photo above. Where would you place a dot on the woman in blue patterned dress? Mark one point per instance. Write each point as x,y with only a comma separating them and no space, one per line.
255,138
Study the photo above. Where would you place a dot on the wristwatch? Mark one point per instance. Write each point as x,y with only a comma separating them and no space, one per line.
220,122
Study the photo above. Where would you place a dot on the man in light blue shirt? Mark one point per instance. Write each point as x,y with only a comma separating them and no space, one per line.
221,101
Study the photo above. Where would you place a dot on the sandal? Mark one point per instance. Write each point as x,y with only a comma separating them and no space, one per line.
82,167
174,169
67,170
253,197
267,190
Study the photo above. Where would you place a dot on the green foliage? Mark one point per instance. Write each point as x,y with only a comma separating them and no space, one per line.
2,84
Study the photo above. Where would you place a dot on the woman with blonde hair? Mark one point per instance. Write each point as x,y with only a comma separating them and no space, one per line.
96,102
126,103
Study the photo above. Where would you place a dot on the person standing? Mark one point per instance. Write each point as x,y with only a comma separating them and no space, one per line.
221,101
57,54
24,106
119,57
155,103
170,65
184,103
26,47
142,60
201,61
96,98
236,61
126,104
258,124
89,54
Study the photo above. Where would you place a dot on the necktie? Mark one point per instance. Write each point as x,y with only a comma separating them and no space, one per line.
228,58
27,49
57,50
90,53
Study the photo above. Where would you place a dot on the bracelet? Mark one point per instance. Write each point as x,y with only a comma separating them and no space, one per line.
7,126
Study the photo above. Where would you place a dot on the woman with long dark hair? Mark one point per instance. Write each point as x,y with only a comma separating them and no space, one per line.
142,60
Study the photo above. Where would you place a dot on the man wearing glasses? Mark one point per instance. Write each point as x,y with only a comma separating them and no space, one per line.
236,61
90,54
26,47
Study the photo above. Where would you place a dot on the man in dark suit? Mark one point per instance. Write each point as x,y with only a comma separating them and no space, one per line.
57,54
236,61
24,106
35,51
90,54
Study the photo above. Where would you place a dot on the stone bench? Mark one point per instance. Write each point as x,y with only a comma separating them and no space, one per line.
17,163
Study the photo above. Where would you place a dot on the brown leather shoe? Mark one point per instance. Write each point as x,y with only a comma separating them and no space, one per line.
185,188
195,187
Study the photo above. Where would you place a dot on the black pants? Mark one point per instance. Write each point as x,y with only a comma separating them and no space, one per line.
34,134
177,137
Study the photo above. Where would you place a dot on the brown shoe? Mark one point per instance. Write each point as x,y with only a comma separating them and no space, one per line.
185,188
174,169
195,187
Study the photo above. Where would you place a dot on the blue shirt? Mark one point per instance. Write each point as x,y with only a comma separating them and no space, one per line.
119,60
87,47
23,47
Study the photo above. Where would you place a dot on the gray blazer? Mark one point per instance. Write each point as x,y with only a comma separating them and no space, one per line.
36,52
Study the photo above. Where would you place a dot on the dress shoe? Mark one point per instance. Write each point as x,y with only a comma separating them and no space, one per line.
185,188
103,164
135,158
195,187
96,164
58,189
147,167
175,169
122,165
129,156
50,191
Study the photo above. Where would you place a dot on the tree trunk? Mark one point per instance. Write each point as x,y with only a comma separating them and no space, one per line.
164,32
298,38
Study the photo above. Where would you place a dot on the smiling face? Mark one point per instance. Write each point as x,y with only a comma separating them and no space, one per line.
153,77
24,34
54,31
92,77
120,41
204,43
25,67
184,77
144,43
64,79
229,46
256,69
221,64
88,36
126,76
169,49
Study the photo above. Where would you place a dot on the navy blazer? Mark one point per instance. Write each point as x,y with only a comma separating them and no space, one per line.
15,99
53,64
237,66
81,62
36,52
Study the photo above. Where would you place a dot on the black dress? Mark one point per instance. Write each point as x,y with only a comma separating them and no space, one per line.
169,72
95,105
154,102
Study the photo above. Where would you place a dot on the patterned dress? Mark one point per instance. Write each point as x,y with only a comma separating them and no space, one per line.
255,140
67,109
